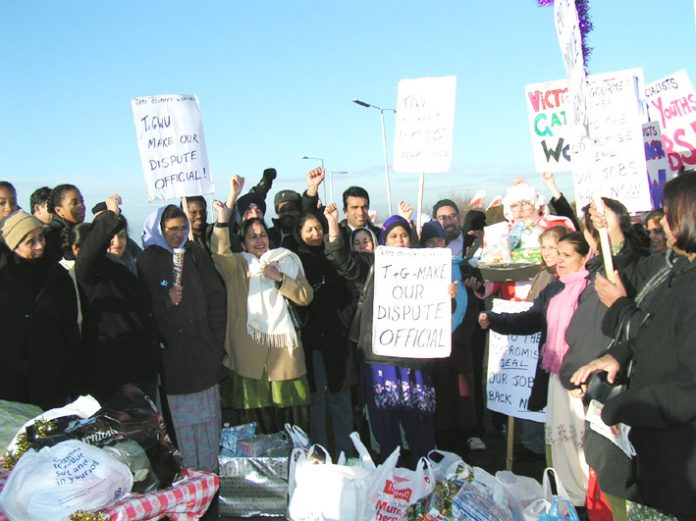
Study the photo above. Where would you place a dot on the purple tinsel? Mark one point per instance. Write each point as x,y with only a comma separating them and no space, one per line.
583,7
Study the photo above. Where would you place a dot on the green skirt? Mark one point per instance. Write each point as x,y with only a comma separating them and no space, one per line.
239,392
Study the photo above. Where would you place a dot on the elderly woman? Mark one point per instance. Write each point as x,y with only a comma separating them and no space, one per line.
263,349
659,403
38,319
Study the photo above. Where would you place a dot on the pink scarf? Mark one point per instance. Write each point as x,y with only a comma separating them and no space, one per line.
558,315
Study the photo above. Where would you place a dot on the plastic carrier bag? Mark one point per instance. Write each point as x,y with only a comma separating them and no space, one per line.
57,481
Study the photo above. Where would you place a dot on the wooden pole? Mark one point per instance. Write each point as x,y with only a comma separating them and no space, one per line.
421,189
509,455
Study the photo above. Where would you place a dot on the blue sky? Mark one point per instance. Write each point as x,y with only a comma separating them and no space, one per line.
276,79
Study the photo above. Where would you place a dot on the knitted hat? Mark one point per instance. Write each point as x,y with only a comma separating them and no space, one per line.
245,201
390,224
16,226
285,196
444,202
430,230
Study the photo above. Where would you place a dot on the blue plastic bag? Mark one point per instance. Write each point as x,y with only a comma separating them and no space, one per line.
560,510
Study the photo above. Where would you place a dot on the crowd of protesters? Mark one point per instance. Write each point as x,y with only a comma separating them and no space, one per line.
239,321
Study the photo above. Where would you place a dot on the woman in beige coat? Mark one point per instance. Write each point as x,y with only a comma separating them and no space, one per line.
267,382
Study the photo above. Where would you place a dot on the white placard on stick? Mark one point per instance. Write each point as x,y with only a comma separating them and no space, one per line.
171,142
512,361
424,125
611,163
549,126
412,310
672,102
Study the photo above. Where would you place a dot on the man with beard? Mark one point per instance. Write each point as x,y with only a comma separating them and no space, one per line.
446,213
287,206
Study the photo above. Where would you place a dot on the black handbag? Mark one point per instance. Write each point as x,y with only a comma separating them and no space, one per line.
598,388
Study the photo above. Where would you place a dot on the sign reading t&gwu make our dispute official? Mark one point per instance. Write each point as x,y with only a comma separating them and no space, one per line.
412,310
172,146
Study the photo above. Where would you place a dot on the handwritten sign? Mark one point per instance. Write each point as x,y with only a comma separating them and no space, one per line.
672,102
512,362
611,163
424,124
412,310
656,160
172,146
548,122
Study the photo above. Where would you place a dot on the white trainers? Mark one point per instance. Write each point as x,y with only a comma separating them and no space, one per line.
476,443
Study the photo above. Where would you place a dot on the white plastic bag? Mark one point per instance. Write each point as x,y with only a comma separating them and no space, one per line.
324,490
522,490
537,508
393,489
444,463
57,481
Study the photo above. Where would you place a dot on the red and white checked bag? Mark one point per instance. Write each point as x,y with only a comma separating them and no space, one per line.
186,500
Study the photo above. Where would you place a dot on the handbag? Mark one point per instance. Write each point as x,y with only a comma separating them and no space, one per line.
598,388
298,316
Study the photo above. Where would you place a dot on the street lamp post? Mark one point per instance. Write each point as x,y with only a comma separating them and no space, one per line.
322,167
384,146
331,192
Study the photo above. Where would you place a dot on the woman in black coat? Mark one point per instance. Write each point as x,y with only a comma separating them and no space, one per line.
659,403
325,337
120,337
39,350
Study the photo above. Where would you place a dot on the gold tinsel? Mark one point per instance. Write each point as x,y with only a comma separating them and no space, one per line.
88,516
11,457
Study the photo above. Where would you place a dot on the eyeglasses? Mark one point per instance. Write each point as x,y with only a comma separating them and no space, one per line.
179,229
521,204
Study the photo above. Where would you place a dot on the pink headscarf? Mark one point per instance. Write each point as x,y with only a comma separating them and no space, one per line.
558,315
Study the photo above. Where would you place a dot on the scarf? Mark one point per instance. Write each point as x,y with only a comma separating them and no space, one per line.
268,318
558,315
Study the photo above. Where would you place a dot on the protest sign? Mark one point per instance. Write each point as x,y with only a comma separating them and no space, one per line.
565,15
172,146
672,103
611,163
512,361
656,160
424,124
546,107
412,310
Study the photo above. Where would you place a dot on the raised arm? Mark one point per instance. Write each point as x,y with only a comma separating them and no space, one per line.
225,261
94,247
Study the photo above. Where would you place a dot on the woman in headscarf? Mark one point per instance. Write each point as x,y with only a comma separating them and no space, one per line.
188,300
39,351
397,392
119,333
263,349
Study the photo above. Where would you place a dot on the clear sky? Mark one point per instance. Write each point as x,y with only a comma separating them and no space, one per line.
276,79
